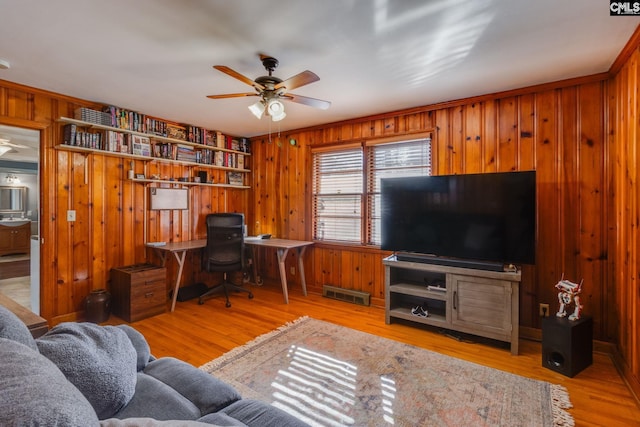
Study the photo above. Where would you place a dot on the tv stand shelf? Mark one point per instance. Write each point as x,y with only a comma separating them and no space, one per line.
478,302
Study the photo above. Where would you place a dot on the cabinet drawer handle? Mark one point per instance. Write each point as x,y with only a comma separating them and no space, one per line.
148,295
455,300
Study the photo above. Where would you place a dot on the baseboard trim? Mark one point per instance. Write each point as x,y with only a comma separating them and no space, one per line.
633,383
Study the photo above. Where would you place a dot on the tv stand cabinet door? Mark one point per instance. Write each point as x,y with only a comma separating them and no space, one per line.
485,307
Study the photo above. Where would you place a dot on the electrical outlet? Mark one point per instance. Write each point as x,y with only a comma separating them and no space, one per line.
544,310
71,215
293,271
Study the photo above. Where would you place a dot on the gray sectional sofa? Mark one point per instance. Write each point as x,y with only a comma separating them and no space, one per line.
82,374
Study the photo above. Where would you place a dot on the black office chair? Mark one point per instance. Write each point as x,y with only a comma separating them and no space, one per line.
224,252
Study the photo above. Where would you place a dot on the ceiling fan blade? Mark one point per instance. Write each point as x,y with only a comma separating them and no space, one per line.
231,95
10,144
312,102
237,75
301,79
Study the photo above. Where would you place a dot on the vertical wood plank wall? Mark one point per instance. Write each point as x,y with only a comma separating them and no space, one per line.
580,136
111,210
558,131
624,110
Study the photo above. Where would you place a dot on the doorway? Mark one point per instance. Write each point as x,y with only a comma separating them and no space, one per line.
19,215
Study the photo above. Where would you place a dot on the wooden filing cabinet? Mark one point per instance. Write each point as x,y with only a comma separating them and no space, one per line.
138,291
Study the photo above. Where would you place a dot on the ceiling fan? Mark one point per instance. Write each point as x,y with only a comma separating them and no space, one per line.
272,90
8,147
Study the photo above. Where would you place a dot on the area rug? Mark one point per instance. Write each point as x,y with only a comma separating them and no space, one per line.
329,375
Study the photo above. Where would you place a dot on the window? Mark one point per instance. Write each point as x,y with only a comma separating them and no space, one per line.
346,186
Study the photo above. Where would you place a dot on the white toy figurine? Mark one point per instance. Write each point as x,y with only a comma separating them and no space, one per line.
569,292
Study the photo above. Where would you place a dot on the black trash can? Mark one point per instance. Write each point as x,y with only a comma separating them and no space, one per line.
97,306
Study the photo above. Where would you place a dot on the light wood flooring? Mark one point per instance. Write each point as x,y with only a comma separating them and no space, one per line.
15,281
199,333
18,289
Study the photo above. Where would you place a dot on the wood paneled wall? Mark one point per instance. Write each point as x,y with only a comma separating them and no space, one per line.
111,211
559,131
581,137
624,139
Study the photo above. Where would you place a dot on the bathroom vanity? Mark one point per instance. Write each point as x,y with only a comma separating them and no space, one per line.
15,236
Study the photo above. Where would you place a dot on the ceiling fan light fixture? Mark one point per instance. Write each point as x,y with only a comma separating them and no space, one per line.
257,109
275,109
278,117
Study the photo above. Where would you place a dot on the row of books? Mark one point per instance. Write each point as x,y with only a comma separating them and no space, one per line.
131,120
188,153
72,136
119,142
215,138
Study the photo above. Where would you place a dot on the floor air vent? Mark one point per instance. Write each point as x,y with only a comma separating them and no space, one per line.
348,295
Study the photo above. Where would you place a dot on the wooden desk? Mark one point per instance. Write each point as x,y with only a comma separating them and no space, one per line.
36,324
282,246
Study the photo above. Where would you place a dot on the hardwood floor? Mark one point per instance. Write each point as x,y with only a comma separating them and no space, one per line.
199,333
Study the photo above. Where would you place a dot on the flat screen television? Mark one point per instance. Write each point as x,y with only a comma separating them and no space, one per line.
489,218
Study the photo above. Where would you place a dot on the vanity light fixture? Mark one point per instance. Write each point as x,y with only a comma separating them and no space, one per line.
12,179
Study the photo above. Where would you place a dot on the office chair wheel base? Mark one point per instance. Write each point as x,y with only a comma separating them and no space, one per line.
200,301
250,295
227,304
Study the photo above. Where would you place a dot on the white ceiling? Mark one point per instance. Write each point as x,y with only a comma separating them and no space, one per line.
156,56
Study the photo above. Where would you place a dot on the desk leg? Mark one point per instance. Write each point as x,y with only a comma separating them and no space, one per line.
163,257
180,258
254,267
282,256
301,270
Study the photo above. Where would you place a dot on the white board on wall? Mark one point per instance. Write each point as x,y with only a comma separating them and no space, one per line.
169,198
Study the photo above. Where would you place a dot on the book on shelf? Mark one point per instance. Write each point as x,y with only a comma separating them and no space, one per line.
234,178
185,153
69,134
140,145
437,288
210,138
115,141
176,132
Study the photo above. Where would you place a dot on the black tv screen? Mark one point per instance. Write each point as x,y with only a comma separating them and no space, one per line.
483,217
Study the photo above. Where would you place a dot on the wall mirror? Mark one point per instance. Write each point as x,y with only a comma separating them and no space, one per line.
12,199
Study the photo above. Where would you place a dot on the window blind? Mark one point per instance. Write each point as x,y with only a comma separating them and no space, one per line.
346,186
337,193
392,160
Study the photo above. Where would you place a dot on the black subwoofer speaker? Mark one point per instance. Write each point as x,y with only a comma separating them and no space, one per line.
567,345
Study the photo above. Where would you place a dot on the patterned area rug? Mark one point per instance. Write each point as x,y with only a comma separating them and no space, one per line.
329,375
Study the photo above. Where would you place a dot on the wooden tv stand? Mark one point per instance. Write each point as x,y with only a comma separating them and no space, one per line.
473,301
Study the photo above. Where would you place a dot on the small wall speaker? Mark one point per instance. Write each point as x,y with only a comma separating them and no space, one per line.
567,345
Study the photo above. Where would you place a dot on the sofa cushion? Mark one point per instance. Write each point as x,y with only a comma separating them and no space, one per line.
208,393
99,360
150,422
155,399
254,413
35,392
11,327
220,418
